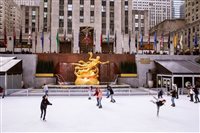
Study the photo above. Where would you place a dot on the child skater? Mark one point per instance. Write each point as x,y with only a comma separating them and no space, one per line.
159,103
43,106
98,94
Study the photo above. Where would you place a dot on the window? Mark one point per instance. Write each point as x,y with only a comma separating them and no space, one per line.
81,12
69,2
81,2
69,13
45,10
91,2
103,3
91,13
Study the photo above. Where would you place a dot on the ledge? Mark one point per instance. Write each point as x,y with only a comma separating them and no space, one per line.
128,75
44,75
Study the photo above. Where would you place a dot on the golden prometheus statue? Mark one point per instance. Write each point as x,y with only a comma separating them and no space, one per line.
87,73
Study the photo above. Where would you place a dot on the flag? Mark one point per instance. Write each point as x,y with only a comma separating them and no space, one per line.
149,40
108,38
94,37
64,35
42,39
141,40
50,41
29,37
35,41
14,38
195,40
20,36
155,40
129,40
5,37
136,41
57,39
101,39
181,42
175,40
169,42
161,40
189,40
115,39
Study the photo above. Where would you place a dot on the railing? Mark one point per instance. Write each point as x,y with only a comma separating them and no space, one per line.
76,92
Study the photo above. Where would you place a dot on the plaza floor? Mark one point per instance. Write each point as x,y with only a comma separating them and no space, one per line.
77,113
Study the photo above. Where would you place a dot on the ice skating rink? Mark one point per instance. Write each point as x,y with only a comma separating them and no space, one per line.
74,114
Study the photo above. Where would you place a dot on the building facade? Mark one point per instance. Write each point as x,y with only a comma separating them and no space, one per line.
159,10
27,2
80,26
178,9
10,21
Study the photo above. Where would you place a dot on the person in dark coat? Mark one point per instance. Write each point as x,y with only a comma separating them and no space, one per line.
160,93
196,93
159,103
173,94
111,93
43,106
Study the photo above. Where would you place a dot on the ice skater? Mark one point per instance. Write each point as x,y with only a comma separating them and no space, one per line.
43,106
159,103
98,94
111,93
160,93
46,90
196,93
173,94
191,94
90,92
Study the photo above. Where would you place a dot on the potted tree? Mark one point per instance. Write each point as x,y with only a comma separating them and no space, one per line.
128,69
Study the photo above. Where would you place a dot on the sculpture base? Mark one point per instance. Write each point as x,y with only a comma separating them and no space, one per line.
86,81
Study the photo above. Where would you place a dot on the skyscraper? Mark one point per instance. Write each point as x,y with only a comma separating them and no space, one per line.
159,10
178,8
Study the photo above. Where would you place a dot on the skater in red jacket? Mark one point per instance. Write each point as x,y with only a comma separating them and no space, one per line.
98,94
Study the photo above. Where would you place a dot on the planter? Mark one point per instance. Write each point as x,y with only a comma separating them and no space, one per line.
44,75
128,75
150,83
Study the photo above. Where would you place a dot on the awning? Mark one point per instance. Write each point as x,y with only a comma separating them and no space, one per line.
177,67
10,65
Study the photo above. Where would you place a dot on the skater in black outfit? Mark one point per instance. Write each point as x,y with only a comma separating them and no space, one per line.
160,93
196,93
173,93
159,103
43,106
111,93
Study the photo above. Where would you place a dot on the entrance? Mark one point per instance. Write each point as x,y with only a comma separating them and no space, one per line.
107,48
65,47
167,83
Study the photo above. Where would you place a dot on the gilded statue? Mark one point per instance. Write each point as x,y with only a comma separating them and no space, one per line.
87,73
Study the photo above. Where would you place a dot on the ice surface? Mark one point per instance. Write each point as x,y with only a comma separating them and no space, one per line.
74,114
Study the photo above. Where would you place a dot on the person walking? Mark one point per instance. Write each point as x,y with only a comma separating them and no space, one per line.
46,90
173,95
43,106
196,93
90,92
159,102
98,94
111,93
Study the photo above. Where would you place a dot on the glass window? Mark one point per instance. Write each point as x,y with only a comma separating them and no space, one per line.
69,7
91,2
81,2
69,1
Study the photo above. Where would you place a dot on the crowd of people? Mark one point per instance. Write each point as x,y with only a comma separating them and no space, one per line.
193,93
